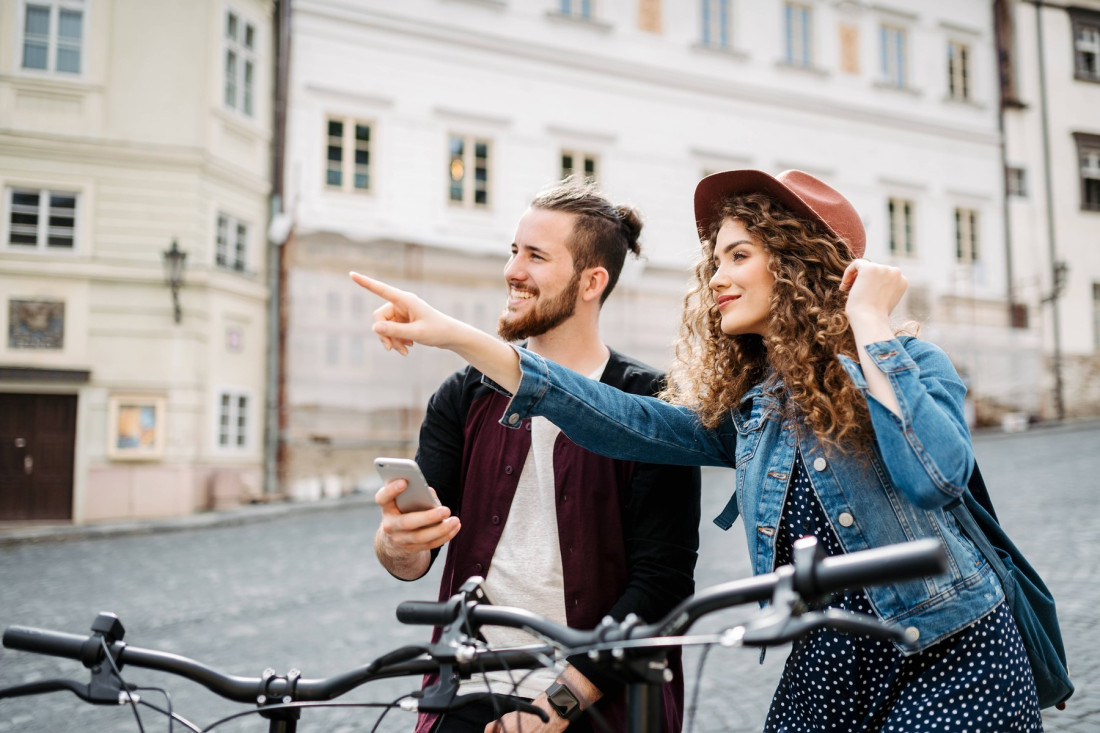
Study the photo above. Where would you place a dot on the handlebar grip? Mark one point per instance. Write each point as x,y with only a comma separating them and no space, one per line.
905,561
426,613
44,641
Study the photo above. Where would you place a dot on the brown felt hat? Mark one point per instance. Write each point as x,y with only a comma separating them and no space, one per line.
800,192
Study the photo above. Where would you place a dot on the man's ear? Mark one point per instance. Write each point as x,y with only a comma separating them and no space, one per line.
593,282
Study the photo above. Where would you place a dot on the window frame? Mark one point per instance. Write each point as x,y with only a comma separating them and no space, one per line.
237,256
968,249
236,423
468,184
960,76
805,60
723,24
1096,316
244,87
893,60
586,156
577,9
1081,19
349,147
53,36
907,228
41,245
1088,152
1016,181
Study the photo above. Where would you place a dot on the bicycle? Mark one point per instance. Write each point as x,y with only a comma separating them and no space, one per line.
634,650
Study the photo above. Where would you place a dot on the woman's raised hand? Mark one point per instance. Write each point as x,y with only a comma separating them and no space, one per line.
405,319
874,291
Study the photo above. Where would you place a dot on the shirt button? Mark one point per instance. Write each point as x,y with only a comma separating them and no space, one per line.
495,519
513,419
819,464
507,470
846,519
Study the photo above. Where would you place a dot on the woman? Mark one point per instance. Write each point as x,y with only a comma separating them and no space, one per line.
788,370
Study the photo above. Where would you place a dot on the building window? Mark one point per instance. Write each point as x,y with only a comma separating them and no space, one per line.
231,245
1016,181
966,235
1088,153
958,71
469,171
240,62
798,30
233,419
42,220
1086,44
900,217
716,23
892,56
577,8
53,35
576,163
348,162
1096,316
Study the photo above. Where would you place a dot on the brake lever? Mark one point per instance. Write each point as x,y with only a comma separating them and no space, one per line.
94,692
785,630
434,703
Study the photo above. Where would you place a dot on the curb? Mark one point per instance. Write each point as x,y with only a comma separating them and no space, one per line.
17,535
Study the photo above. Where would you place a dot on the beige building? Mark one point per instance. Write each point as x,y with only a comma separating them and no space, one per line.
116,144
1051,80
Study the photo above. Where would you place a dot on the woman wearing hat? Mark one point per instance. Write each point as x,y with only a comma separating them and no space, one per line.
787,370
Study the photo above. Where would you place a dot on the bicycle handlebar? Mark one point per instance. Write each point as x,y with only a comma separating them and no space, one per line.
828,575
810,578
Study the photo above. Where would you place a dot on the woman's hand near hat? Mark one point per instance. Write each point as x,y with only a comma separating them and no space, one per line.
874,291
405,319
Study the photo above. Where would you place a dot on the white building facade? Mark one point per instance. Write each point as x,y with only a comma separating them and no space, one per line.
116,145
418,132
1052,131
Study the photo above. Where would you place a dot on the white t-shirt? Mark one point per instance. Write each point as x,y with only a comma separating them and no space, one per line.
526,570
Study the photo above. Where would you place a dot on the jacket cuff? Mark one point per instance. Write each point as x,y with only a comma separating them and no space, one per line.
889,356
533,383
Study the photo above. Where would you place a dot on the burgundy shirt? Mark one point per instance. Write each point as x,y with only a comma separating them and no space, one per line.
628,531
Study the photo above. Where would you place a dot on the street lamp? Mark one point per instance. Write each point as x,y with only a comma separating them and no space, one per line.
174,260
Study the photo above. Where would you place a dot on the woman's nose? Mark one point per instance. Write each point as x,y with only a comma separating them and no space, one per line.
718,280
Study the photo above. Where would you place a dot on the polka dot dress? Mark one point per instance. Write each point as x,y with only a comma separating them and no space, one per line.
978,680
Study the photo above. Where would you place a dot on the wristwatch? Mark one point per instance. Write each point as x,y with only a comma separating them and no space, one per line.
564,702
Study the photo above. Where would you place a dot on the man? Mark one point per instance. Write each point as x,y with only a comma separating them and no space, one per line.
553,528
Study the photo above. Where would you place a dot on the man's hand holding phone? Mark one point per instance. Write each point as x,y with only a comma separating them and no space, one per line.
405,538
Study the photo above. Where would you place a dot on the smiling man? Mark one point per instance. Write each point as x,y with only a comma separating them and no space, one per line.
552,528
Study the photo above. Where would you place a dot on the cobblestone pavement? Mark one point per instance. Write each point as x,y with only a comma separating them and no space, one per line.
290,588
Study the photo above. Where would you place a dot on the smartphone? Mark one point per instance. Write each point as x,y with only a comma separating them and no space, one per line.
417,497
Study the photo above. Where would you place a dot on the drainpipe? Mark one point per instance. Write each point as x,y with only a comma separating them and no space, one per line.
1056,274
277,234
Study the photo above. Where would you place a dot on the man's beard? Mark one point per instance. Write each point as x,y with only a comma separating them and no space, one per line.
544,316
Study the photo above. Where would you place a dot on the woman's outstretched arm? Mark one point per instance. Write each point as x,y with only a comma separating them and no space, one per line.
405,319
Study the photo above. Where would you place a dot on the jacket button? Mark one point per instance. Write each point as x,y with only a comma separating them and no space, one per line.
495,519
527,425
508,470
846,519
513,419
819,464
477,567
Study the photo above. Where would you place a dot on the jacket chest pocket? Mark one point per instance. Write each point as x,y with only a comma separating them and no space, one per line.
753,415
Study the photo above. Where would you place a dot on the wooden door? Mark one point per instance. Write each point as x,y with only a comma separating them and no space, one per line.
37,437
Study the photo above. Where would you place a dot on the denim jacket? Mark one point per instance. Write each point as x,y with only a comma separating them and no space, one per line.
919,463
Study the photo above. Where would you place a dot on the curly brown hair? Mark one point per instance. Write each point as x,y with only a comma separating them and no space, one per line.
807,329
